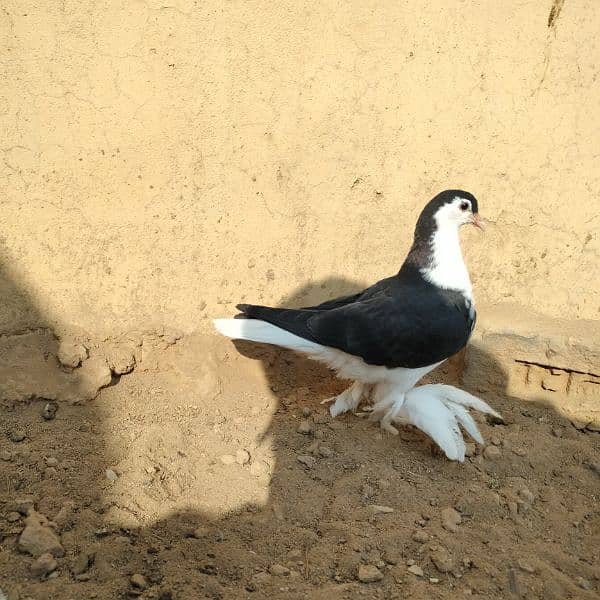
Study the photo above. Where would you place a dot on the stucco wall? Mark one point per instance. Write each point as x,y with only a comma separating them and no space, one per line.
163,160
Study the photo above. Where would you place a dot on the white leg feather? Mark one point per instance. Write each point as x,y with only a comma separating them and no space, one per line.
426,411
349,399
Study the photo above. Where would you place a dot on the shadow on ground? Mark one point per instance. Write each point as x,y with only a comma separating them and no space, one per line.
218,495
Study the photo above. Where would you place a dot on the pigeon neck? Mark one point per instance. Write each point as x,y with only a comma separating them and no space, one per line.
439,259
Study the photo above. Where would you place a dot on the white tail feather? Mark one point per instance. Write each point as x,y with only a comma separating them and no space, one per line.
256,330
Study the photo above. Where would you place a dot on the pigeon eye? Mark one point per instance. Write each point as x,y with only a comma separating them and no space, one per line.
464,205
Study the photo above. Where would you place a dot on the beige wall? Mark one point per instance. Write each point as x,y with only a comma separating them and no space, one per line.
161,157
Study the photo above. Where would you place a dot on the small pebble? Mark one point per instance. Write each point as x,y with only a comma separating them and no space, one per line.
377,509
305,427
584,584
492,452
595,467
138,581
306,411
43,565
434,580
442,560
420,536
49,411
325,451
416,570
200,532
52,462
308,461
526,567
12,517
242,457
111,475
470,449
279,570
258,468
6,456
81,564
17,436
369,574
451,519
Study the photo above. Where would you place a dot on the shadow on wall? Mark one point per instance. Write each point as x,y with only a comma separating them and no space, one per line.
318,523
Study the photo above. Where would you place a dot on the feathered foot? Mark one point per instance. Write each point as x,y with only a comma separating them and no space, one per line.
349,399
438,410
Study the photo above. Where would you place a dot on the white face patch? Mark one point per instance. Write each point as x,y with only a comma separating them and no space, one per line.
447,269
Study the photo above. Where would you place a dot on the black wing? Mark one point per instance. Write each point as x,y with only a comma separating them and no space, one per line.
403,327
413,330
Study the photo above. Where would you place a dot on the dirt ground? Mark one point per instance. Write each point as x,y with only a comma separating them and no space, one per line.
212,471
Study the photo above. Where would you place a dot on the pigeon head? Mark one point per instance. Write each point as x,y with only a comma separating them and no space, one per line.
449,209
436,247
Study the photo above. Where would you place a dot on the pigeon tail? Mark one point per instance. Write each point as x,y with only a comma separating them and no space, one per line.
256,330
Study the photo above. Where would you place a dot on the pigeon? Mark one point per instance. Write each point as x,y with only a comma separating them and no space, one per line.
387,337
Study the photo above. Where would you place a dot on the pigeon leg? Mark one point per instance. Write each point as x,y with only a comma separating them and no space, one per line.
349,399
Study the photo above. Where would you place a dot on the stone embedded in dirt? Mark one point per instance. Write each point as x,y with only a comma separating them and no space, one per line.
377,509
325,451
70,354
305,427
306,411
242,457
308,461
24,506
526,495
138,581
416,570
81,563
111,475
64,517
37,538
258,468
13,516
492,452
6,456
321,418
200,532
442,560
49,411
580,424
420,536
470,449
227,459
51,461
584,584
279,570
519,451
595,467
526,567
43,565
434,580
18,435
451,519
369,574
49,473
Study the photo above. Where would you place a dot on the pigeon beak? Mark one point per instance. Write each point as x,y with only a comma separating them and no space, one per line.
478,221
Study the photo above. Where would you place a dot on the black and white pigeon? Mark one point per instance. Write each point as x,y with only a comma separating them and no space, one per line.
387,337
